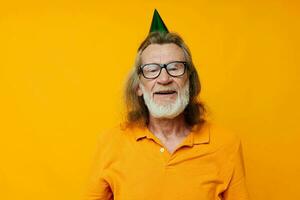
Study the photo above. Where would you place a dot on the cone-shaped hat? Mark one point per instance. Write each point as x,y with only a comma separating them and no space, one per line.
157,24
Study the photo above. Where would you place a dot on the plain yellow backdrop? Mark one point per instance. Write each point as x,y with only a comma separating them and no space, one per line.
63,65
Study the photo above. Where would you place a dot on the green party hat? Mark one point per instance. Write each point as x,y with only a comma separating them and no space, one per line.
157,24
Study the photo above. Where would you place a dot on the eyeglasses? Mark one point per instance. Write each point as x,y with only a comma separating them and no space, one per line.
153,70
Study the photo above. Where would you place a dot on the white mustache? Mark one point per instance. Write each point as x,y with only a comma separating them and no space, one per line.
163,89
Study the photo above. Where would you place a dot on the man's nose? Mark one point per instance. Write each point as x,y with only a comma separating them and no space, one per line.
164,77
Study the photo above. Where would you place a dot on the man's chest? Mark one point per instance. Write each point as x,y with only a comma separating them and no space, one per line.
143,171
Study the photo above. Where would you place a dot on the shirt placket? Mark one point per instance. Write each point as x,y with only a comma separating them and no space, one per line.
167,156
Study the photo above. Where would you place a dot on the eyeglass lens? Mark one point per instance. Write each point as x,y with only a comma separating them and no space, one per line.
173,69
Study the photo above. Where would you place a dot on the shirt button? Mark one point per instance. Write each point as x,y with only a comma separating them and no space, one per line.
162,150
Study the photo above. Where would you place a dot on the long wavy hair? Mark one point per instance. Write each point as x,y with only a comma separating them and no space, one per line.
137,111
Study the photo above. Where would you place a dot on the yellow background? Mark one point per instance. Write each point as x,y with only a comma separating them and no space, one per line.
63,65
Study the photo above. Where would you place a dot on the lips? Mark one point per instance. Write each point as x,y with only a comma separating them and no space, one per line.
165,92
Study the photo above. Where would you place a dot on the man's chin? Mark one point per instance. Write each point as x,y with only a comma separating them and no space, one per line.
165,99
164,102
166,114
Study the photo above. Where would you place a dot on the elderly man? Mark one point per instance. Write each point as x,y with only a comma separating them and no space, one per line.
166,150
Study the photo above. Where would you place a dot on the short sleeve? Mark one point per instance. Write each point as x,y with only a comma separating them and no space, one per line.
237,189
98,188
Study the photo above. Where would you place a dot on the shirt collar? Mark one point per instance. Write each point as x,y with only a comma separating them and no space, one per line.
200,134
142,132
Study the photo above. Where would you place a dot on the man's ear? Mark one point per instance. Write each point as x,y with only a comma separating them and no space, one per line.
139,91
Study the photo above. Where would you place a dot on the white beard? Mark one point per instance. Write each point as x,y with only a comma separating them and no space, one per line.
168,111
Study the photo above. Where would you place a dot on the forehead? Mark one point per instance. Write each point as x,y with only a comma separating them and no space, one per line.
162,53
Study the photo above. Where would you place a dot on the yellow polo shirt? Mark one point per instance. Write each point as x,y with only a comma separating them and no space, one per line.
132,164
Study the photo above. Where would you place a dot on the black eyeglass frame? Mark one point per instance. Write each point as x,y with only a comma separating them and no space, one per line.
163,65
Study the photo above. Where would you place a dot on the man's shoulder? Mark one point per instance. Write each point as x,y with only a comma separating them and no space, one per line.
110,132
118,132
221,136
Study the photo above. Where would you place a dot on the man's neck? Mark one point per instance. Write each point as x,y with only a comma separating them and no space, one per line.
169,128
